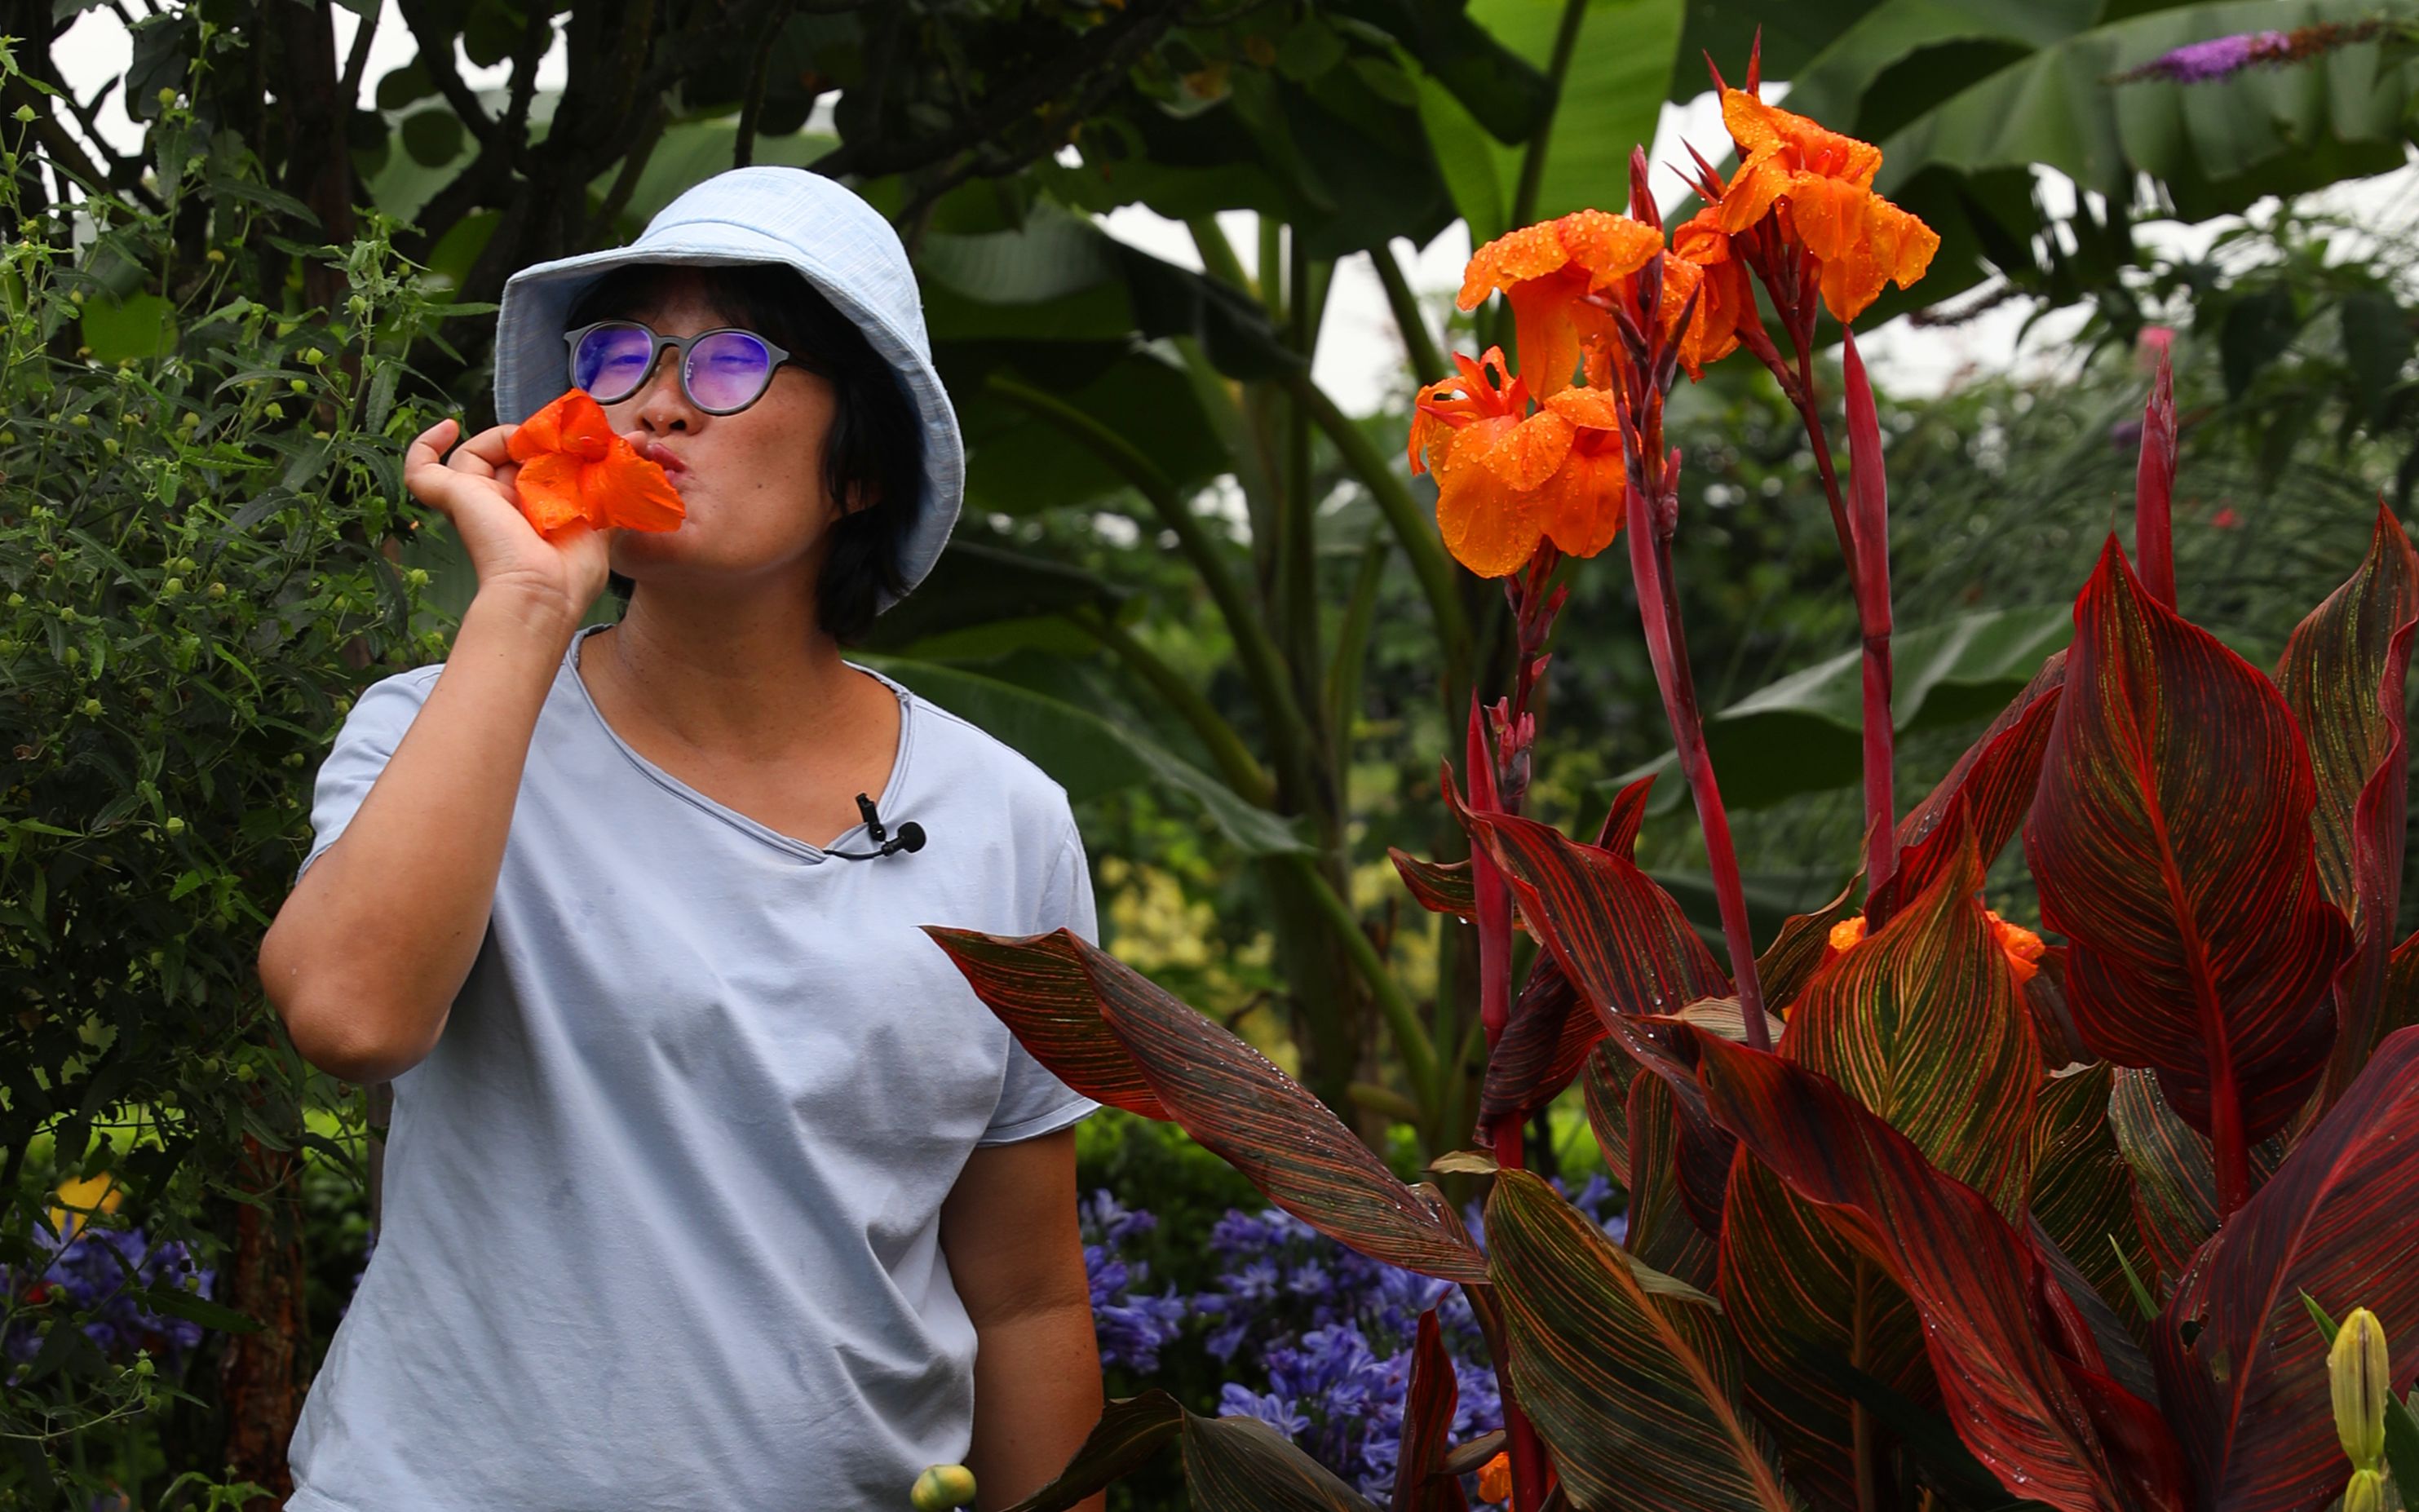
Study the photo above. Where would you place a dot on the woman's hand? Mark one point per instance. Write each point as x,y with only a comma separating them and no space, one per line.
474,491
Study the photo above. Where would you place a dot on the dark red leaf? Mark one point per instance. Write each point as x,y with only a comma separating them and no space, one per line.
1790,961
1661,1233
2248,1389
2022,1379
1427,1429
1920,1024
1631,1386
1240,1464
1542,1048
1222,1093
1620,939
1438,886
2175,1181
2171,839
1990,789
1046,1000
1130,1430
2343,674
2083,1189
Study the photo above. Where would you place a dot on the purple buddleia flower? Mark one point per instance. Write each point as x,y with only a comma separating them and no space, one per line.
1132,1328
2223,57
98,1272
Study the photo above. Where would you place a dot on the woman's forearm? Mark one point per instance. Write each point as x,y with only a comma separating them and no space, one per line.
1037,1395
363,961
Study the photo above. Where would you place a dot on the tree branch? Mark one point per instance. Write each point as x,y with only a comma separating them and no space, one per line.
1140,24
437,56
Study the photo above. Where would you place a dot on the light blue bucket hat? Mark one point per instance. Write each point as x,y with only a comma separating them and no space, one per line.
835,240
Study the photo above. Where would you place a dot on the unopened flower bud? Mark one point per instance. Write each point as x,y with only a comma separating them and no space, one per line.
175,826
2356,1368
26,113
2366,1492
942,1488
168,95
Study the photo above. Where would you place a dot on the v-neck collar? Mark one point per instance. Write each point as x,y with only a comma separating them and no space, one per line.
890,795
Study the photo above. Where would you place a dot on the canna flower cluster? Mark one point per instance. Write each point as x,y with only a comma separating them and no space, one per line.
1602,308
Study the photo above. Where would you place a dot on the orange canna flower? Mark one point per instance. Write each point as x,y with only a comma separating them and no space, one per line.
1825,181
1547,271
1728,301
2021,946
1506,478
1495,1478
574,466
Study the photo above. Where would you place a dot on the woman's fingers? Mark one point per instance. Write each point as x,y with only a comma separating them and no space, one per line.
484,454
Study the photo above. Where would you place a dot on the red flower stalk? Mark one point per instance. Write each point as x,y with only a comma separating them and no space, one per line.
1653,504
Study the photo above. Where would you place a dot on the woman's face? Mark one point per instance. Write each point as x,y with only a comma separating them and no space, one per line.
752,483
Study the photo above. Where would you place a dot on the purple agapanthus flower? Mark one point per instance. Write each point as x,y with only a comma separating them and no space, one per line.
98,1272
1132,1328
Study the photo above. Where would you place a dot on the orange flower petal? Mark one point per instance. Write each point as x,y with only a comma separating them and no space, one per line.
1581,506
1516,256
1848,932
549,489
1588,408
633,491
574,466
1530,452
1550,339
1768,131
1489,528
1495,1478
1862,239
2022,946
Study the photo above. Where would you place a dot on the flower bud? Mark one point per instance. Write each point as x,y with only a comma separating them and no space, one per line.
92,708
214,256
314,356
2356,1368
298,385
174,826
942,1488
168,95
274,411
2366,1492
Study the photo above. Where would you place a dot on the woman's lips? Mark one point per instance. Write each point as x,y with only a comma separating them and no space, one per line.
658,453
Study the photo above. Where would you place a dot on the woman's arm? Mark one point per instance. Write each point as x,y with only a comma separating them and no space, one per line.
1008,1230
365,958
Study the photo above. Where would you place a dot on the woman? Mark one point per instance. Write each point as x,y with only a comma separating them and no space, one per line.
709,1182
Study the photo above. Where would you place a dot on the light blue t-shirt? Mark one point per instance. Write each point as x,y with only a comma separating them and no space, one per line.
662,1208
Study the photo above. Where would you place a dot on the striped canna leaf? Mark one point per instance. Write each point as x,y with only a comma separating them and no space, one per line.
2242,1374
2020,1374
2171,838
1055,991
1627,1379
1421,1484
2343,675
1922,1024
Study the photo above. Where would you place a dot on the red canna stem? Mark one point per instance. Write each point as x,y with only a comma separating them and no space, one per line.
1869,516
2155,482
1650,564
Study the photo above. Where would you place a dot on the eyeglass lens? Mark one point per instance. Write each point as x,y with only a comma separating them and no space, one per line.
724,370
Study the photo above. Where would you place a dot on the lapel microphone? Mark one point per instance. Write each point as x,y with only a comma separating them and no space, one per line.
910,836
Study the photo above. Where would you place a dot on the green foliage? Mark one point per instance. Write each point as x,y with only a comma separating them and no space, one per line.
197,477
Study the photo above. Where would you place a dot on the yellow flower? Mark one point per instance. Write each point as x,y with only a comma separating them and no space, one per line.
93,1194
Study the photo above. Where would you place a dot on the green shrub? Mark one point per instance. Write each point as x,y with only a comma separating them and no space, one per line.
200,495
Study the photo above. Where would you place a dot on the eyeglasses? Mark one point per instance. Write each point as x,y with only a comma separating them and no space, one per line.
722,371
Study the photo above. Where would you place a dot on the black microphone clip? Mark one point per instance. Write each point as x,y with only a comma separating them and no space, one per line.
910,836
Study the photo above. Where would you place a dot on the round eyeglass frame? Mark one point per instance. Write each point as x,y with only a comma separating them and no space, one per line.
571,340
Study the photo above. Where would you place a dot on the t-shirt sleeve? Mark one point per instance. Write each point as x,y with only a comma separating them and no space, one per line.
371,731
1032,1100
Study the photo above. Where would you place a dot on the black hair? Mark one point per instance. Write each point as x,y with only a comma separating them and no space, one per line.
874,449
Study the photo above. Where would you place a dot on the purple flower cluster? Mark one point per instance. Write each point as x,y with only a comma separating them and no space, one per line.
98,1272
1132,1328
2223,57
1318,1336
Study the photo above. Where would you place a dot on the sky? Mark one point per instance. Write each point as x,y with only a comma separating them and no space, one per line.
1360,356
